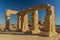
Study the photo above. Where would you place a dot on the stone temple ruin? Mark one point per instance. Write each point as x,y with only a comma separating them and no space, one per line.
22,23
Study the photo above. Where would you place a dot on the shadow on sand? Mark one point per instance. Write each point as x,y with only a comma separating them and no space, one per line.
21,33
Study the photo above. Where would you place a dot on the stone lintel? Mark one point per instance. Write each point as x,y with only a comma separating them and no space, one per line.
11,12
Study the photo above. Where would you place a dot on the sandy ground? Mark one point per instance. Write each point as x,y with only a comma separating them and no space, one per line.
27,37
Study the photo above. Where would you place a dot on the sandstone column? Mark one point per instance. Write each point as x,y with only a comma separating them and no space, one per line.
35,22
19,23
7,23
50,22
24,22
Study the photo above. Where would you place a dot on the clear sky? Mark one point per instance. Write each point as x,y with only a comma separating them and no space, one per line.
24,4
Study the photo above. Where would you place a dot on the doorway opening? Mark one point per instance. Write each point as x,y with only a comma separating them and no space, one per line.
30,20
13,22
41,18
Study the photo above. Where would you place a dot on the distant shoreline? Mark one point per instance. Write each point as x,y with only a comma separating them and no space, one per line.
58,26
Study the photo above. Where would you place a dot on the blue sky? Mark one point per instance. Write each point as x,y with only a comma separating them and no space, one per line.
24,4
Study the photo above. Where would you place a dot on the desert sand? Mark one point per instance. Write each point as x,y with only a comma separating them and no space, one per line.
9,36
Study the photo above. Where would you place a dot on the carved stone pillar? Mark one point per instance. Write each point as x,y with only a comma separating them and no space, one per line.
50,22
19,23
24,22
7,23
35,22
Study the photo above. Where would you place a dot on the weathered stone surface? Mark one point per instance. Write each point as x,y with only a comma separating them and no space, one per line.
35,22
23,22
8,12
7,22
49,22
19,23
